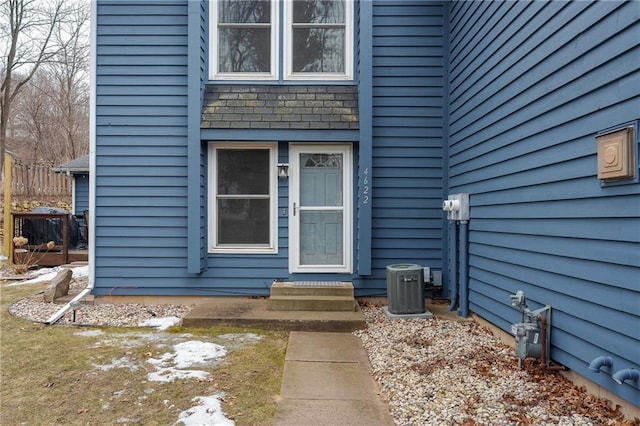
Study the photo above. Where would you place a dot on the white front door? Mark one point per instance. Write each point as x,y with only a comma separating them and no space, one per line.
320,208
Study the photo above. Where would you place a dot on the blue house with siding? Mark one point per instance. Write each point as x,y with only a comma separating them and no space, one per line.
78,168
240,142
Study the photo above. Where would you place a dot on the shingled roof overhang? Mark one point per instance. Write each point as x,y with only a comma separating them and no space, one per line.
333,107
76,166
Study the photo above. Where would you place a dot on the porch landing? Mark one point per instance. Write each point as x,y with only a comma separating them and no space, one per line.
254,312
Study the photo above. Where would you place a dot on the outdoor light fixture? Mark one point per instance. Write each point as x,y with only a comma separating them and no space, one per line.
283,170
75,306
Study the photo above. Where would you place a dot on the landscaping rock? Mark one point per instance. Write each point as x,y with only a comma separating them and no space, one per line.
59,286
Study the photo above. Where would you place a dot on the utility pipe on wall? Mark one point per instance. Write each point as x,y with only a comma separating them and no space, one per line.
627,374
453,265
457,208
599,362
463,311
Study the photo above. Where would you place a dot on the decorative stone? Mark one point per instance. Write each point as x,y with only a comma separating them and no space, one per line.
59,286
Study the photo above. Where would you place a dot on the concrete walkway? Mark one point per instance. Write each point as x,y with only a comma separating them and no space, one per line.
254,312
327,381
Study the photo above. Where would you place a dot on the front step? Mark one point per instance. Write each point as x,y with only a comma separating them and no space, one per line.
312,296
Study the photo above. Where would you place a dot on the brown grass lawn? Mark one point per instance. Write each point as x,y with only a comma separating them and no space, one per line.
49,374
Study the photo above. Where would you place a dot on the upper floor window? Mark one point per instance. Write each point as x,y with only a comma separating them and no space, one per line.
314,41
246,38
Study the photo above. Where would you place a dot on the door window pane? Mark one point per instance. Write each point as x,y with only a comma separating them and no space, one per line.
321,180
321,238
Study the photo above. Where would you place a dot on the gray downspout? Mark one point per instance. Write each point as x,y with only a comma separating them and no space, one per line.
453,265
447,241
463,311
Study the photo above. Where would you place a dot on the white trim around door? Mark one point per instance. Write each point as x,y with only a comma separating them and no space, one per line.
320,208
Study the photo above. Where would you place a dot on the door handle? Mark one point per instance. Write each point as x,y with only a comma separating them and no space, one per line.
294,209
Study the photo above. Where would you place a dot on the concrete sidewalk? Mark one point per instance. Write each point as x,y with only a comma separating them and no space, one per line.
327,381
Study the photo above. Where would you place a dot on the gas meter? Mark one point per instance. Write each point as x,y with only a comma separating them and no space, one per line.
528,340
528,333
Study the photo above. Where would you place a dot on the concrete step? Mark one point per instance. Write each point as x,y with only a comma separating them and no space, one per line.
344,289
311,303
253,313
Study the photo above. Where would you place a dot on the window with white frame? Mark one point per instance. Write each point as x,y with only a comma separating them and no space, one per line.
316,42
243,197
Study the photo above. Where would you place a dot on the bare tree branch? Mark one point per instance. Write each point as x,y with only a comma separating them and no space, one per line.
28,27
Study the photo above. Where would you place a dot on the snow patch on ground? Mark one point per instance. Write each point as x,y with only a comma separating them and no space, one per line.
123,362
47,274
160,323
248,338
90,333
177,364
207,412
172,366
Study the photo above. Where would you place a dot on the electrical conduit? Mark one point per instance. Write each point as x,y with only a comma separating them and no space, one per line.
453,265
463,310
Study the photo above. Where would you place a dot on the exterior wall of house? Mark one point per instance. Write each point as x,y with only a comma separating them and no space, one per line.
141,150
80,193
196,151
407,120
531,85
151,178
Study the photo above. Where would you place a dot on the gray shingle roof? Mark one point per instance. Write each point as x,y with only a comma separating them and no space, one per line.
280,107
77,165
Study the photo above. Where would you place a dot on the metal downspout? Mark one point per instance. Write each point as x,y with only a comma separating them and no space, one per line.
463,311
453,265
92,170
55,317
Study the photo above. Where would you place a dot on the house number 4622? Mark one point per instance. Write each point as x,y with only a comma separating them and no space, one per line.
365,186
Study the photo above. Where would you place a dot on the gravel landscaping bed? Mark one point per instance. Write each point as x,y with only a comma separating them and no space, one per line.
34,308
442,372
430,371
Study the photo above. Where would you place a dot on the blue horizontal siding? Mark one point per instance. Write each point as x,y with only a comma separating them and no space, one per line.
141,132
531,85
525,263
408,81
142,80
407,90
156,28
607,229
81,193
140,40
618,207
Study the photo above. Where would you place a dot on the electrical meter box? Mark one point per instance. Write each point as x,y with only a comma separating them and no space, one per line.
405,289
528,340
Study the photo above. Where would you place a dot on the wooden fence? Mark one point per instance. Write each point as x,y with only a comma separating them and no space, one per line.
37,179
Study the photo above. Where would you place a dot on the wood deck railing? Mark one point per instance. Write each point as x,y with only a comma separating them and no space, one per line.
39,229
